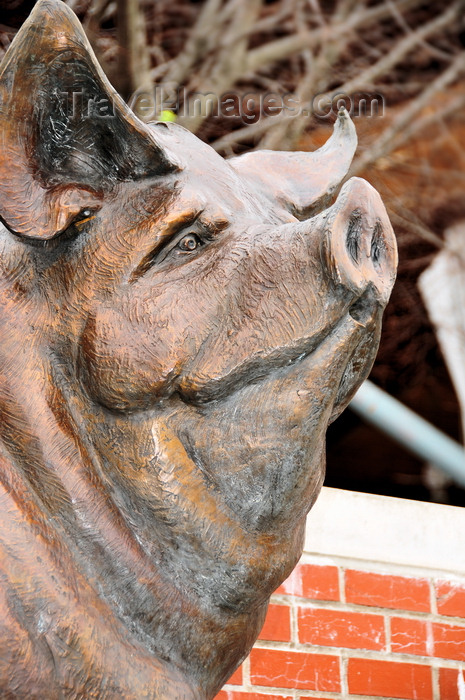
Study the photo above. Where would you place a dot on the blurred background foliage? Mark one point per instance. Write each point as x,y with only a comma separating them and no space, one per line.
409,52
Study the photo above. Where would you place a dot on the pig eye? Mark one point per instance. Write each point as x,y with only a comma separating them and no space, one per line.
83,216
189,243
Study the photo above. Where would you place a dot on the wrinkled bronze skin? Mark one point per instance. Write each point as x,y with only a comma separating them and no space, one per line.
177,331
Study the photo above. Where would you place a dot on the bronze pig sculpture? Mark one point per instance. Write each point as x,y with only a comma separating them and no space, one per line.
177,331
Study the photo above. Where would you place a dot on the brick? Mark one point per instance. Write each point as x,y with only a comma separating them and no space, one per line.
448,683
236,678
277,627
337,628
385,591
237,695
290,669
449,641
450,599
312,581
409,636
389,679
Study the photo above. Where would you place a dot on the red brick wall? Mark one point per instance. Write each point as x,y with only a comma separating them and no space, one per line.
339,632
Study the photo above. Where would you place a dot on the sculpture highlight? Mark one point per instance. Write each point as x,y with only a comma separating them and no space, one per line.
177,331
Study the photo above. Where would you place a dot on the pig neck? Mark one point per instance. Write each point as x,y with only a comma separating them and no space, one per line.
47,448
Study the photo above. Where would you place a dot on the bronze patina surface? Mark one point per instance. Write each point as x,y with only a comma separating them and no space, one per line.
177,331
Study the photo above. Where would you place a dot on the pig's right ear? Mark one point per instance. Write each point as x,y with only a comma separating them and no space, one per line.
66,137
302,182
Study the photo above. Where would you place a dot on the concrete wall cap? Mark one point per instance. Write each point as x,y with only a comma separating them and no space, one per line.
373,528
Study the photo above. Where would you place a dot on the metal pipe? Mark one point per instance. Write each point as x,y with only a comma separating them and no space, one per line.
421,438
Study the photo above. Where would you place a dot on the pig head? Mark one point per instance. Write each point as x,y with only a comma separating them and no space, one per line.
176,333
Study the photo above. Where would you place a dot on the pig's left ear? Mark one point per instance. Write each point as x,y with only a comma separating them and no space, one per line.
66,137
302,182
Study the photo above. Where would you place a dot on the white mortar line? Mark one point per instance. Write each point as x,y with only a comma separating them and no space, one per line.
435,681
246,673
342,583
294,623
387,632
335,606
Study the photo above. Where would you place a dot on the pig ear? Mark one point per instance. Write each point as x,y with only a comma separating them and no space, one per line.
66,137
302,182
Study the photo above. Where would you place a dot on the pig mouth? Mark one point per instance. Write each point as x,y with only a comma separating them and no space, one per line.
359,322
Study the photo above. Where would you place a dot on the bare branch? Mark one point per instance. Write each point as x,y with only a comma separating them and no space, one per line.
402,49
134,58
418,228
94,16
282,48
200,36
269,24
442,55
230,62
363,81
403,126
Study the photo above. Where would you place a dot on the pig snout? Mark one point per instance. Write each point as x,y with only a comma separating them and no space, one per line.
359,246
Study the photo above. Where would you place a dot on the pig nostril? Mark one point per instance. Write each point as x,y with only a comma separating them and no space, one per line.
378,246
362,309
353,235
